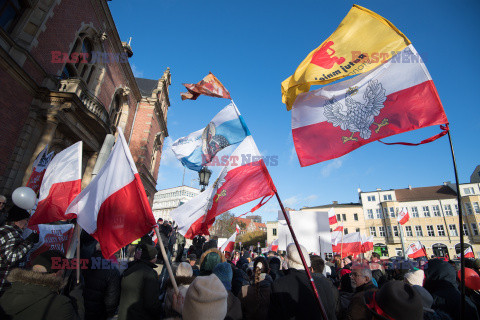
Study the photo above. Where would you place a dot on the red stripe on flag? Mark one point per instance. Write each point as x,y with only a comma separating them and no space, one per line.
122,217
53,207
332,220
406,110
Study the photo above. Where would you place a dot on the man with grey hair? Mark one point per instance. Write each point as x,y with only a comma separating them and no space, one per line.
362,282
3,211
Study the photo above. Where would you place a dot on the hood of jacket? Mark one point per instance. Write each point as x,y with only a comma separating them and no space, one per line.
438,270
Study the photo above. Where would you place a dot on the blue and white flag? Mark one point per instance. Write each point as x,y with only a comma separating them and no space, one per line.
200,147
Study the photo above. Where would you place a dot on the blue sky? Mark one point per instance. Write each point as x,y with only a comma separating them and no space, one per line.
252,46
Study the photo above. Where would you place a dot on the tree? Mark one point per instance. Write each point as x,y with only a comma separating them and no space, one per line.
223,226
252,238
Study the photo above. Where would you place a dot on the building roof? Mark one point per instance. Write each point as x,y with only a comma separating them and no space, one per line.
424,193
146,86
179,188
335,205
248,221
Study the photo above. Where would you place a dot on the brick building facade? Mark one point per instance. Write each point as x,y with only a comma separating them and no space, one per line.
65,77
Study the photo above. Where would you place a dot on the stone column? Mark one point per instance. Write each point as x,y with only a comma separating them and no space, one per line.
87,175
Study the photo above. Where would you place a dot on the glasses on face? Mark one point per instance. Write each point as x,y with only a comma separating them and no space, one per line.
354,275
2,203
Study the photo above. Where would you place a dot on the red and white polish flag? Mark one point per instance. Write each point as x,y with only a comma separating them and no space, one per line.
273,246
367,243
351,244
114,208
397,96
403,216
245,178
339,228
332,217
416,250
468,253
229,245
61,183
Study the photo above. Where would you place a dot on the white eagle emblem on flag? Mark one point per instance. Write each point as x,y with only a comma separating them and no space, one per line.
355,116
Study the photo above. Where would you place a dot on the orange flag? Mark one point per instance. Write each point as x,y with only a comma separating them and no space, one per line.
209,86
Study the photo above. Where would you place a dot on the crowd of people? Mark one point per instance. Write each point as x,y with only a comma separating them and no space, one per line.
224,285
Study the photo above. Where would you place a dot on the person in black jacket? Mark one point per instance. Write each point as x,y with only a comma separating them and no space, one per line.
102,288
292,296
139,297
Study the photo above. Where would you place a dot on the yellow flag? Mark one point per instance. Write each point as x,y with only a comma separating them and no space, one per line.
362,41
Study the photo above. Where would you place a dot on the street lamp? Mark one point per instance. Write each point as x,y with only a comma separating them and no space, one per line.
204,176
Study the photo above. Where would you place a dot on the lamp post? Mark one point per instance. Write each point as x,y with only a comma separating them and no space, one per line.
204,176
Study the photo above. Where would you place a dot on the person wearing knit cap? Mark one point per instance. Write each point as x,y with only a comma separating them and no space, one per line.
34,294
206,298
395,300
140,290
415,278
13,248
292,296
183,277
224,272
209,260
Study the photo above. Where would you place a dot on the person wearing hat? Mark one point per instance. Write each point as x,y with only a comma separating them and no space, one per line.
192,260
34,293
140,290
396,300
209,260
292,296
183,277
224,272
13,248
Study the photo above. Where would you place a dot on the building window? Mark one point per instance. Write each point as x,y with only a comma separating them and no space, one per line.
381,231
465,229
357,229
392,212
436,211
468,207
387,197
338,218
379,213
453,230
344,217
476,207
373,231
389,231
355,217
274,230
468,191
418,231
408,231
456,209
370,213
441,230
426,211
430,231
345,230
448,210
414,212
474,229
10,13
385,212
371,198
395,231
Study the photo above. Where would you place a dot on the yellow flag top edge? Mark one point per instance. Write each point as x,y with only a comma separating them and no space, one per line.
384,21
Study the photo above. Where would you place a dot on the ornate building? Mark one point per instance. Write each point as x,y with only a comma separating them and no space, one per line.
65,77
168,199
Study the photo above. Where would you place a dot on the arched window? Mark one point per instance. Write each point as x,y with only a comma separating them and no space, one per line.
80,56
116,110
157,145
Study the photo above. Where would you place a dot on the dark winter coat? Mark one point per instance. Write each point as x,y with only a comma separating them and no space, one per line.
34,295
102,289
255,304
140,292
293,298
240,279
357,308
442,284
234,307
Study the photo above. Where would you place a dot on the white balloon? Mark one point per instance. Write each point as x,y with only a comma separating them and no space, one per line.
24,197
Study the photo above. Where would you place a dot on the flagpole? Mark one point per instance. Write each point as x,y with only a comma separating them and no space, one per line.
79,230
166,262
310,277
460,221
401,237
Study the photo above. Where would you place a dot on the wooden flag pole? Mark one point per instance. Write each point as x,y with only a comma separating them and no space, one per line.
166,263
287,220
460,222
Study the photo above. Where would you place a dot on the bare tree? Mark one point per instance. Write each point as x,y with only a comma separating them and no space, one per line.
224,225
